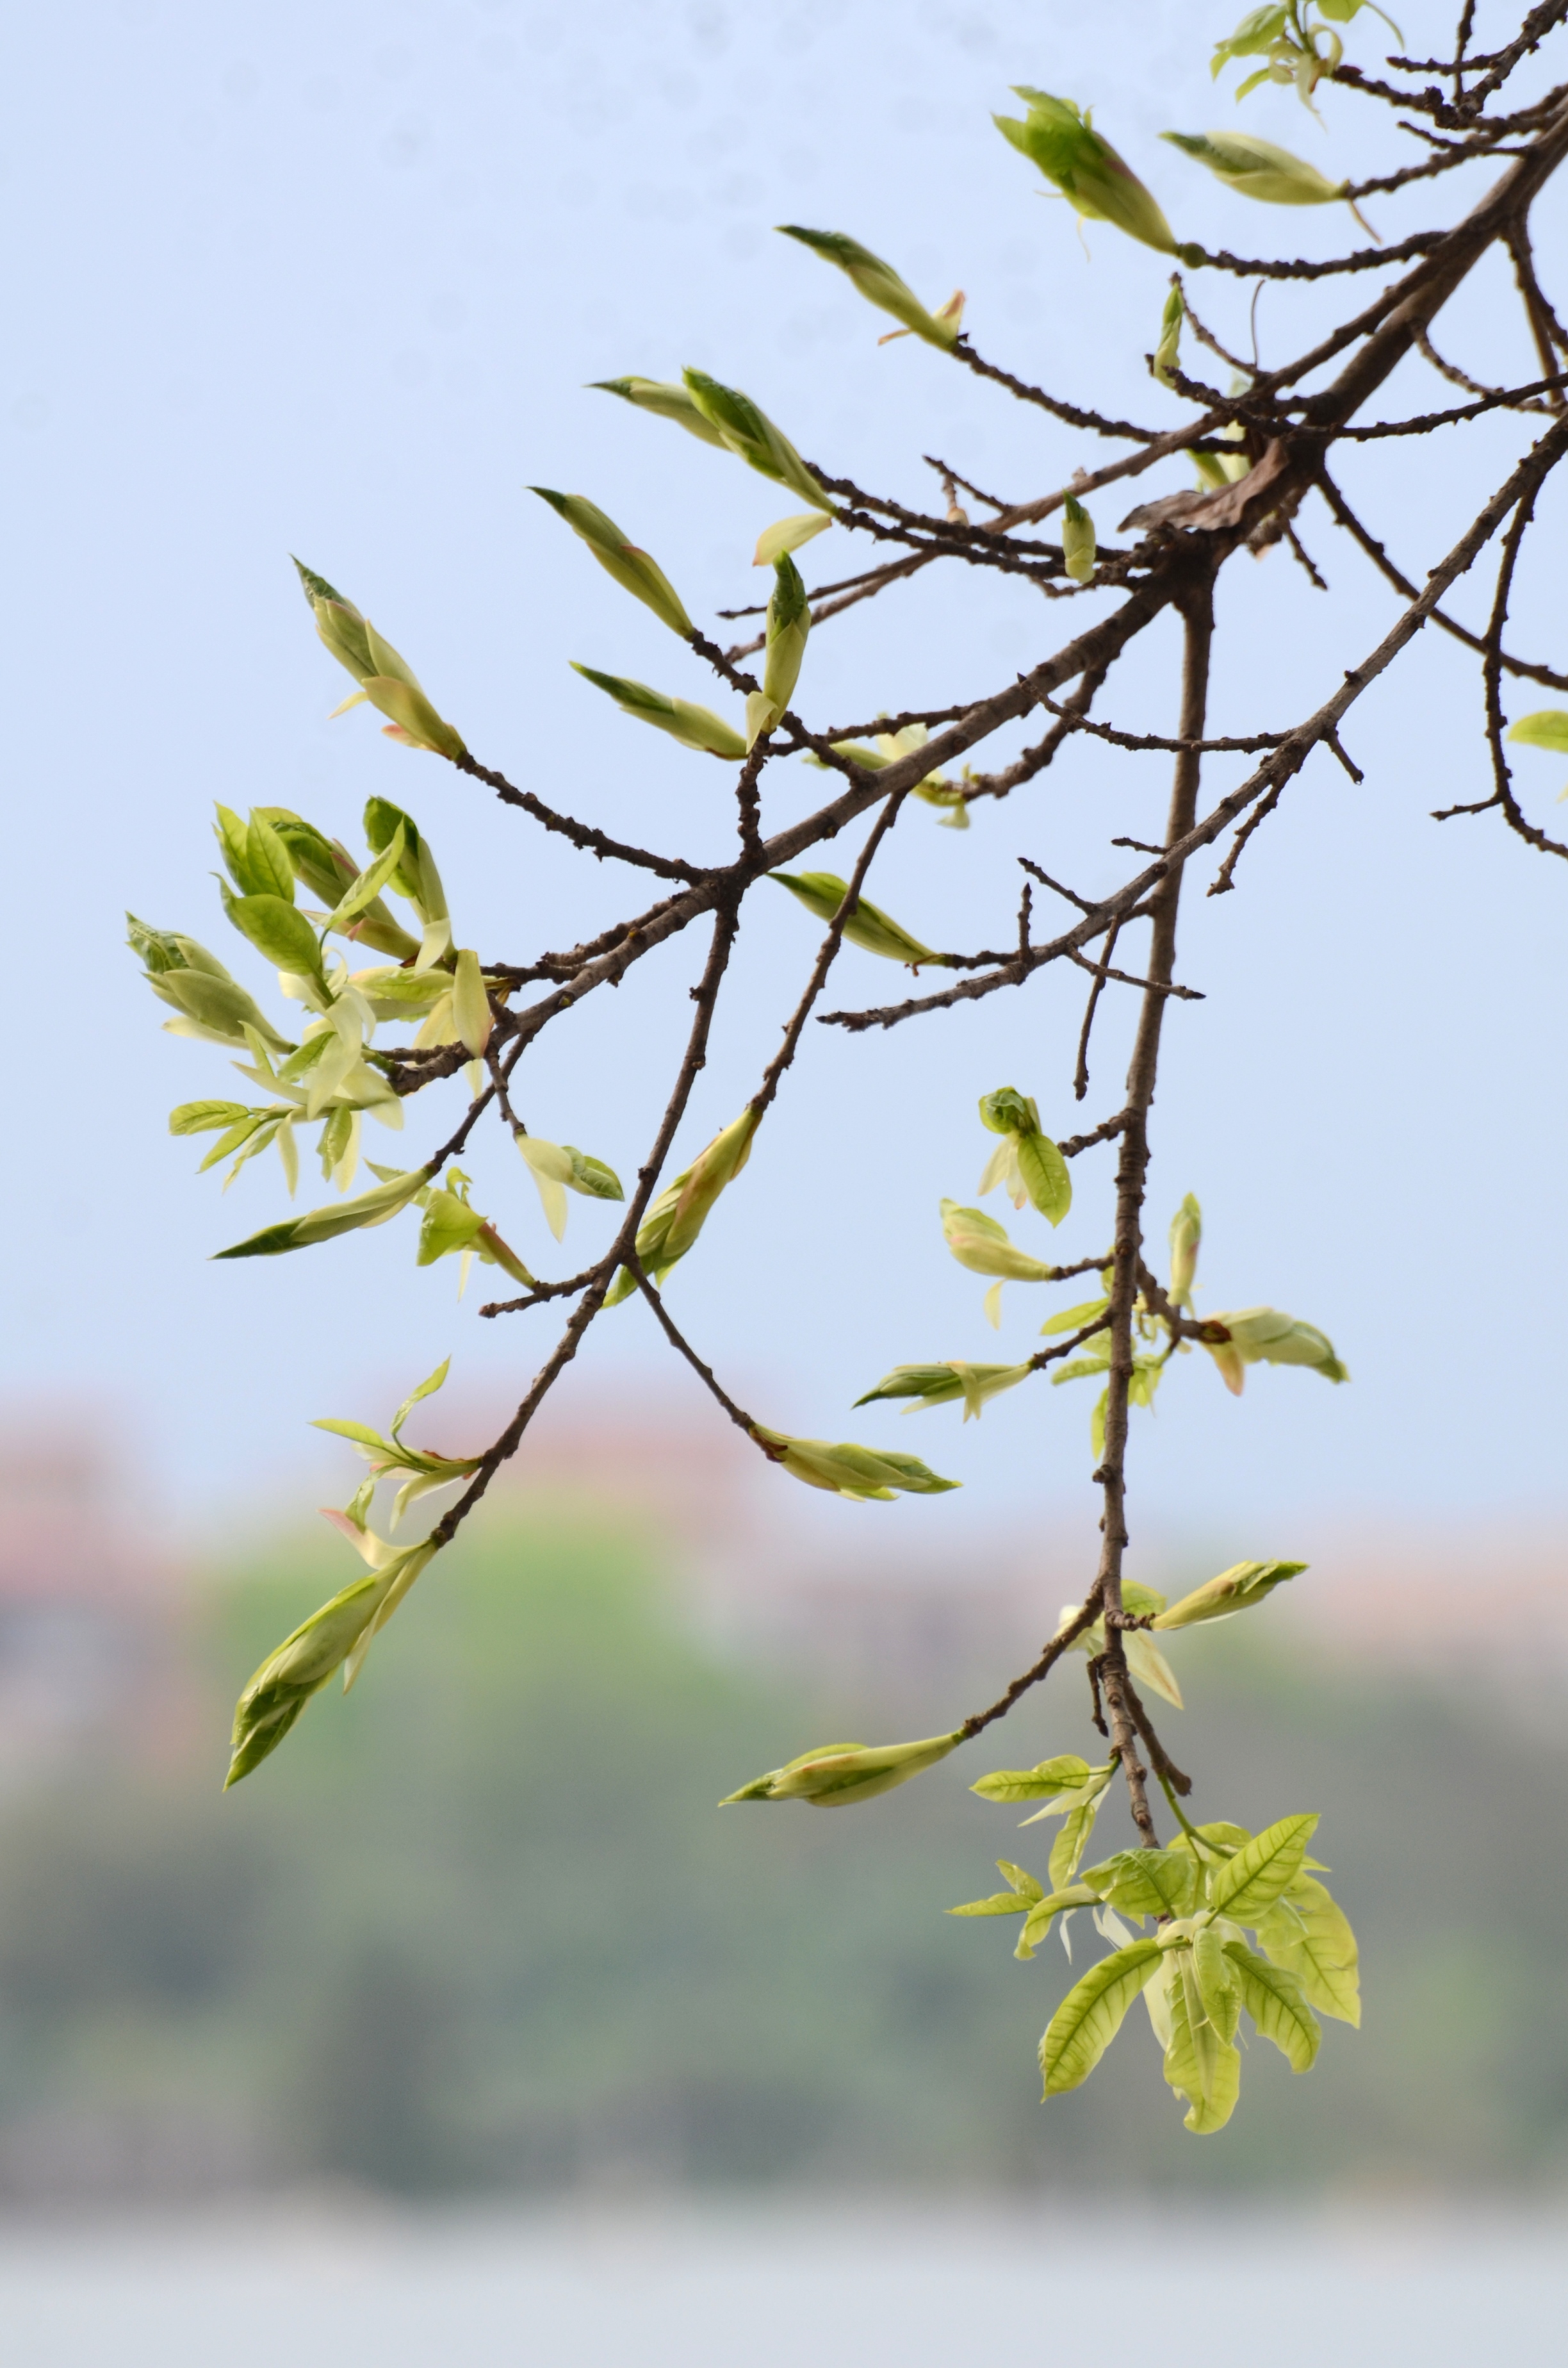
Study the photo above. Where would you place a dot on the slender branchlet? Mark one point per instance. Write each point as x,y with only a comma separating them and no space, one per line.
1257,452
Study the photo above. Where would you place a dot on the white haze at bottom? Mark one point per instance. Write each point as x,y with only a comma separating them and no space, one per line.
750,2286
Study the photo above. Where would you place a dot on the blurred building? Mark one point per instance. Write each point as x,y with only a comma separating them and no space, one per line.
90,1603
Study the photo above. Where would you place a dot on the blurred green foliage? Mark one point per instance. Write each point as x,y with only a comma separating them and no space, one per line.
483,1928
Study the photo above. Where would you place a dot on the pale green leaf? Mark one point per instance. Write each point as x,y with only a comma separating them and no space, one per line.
426,1389
1199,2064
1247,1885
1274,1999
365,889
1091,2014
1309,1934
1063,1774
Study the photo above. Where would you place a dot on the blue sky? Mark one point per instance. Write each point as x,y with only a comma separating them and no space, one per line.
331,278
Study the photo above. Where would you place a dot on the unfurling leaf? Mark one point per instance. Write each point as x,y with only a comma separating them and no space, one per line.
205,1118
1236,1589
787,534
930,1386
384,678
846,1470
1547,728
1200,2063
979,1243
277,929
1265,1336
1058,137
324,1224
672,1226
1066,1773
1257,169
1274,1998
1025,1891
881,285
1026,1161
281,1688
1146,1882
1309,1934
749,433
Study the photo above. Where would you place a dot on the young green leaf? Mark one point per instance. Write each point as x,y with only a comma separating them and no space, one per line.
1273,1997
1249,1885
1308,1933
1145,1882
1199,2064
1091,2014
1236,1589
1066,1773
324,1224
202,1117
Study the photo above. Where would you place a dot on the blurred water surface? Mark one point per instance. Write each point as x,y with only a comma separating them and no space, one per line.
753,2290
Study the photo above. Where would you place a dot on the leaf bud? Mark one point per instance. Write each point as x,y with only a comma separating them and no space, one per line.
838,1774
1186,1233
1165,352
869,926
881,285
750,434
632,568
666,401
694,727
1077,540
1257,169
789,624
337,1634
384,678
683,1208
1058,137
979,1243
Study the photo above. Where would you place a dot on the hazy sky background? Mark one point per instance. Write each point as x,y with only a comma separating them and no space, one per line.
330,279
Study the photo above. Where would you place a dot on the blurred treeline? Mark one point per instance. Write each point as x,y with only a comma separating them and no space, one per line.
479,1927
